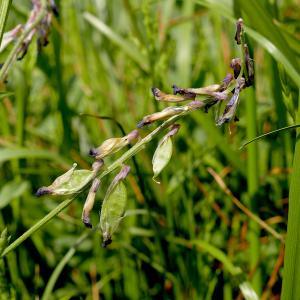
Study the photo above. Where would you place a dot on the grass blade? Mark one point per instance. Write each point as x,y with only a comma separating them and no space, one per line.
129,48
4,9
291,272
269,133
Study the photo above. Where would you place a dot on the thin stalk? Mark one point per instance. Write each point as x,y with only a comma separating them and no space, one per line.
13,53
4,10
252,180
269,133
117,164
291,272
57,271
37,226
243,208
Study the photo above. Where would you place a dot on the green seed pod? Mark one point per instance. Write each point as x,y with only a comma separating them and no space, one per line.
89,203
161,115
163,152
113,145
69,183
113,206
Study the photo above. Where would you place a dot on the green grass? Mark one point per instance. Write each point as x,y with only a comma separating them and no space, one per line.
184,238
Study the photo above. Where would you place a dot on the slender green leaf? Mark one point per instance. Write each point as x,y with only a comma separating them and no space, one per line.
269,133
17,153
291,273
129,48
12,190
5,94
201,245
4,9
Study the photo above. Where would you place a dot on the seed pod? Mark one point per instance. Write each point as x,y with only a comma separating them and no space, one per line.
203,91
239,31
89,203
161,96
163,152
161,115
226,81
232,105
113,206
69,183
236,65
113,145
249,67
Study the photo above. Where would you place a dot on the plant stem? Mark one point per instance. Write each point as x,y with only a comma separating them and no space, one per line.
13,53
291,272
37,226
252,181
4,9
118,163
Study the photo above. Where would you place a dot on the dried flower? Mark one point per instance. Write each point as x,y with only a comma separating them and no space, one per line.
206,91
239,31
113,145
161,96
161,115
249,67
236,65
232,105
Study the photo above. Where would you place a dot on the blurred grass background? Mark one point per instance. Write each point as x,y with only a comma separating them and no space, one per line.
103,58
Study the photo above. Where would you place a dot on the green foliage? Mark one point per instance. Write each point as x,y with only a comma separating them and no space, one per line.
184,238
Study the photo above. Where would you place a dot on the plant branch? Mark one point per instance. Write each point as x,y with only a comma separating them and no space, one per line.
13,53
118,163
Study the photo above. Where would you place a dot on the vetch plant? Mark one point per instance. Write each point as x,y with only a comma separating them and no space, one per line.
114,203
74,182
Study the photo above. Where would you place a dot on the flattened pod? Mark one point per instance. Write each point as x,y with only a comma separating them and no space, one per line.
113,207
69,183
162,156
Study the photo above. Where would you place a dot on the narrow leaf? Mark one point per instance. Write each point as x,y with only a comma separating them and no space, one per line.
4,9
269,133
5,94
12,190
129,48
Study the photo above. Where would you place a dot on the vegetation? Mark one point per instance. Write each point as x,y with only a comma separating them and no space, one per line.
211,223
